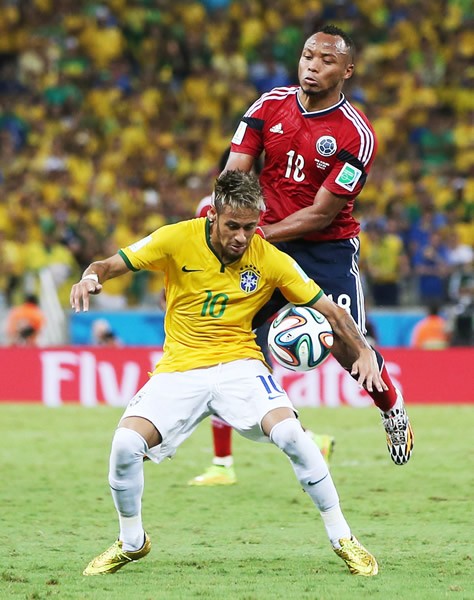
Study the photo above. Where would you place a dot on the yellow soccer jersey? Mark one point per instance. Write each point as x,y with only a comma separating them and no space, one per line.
210,306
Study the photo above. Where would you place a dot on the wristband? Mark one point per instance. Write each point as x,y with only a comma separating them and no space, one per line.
259,231
92,277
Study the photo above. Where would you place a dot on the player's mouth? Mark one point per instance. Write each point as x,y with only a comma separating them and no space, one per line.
237,248
310,82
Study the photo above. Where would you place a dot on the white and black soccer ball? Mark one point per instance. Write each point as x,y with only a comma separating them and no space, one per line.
300,338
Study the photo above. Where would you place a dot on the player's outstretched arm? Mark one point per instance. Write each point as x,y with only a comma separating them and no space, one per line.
92,279
344,327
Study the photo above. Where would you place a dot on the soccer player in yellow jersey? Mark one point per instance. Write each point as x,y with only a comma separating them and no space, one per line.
217,276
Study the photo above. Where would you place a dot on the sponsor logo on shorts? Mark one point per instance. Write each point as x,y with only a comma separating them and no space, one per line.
136,399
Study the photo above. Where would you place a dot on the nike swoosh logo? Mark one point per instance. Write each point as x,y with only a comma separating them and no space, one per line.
315,482
275,396
186,270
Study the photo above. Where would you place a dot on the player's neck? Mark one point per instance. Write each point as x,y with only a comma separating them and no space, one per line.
315,102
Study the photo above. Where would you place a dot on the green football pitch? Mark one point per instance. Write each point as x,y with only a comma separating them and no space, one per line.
259,539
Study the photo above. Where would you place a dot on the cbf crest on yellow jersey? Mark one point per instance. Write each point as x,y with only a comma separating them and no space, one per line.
210,306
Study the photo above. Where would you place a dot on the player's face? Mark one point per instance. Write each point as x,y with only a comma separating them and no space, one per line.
232,231
324,65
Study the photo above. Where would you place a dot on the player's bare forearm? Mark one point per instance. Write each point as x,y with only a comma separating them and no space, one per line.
297,225
92,279
344,327
307,220
365,366
107,269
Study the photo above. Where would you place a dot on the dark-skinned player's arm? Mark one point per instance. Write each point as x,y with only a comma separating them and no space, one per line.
312,218
239,162
92,279
365,368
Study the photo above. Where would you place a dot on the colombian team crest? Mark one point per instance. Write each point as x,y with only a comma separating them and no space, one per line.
326,145
249,278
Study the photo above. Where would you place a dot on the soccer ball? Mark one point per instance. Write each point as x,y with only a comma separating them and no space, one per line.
300,338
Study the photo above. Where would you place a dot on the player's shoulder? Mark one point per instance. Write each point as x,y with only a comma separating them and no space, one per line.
275,97
281,91
354,116
267,251
177,231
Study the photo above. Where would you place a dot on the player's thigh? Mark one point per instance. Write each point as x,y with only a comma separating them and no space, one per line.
246,392
175,403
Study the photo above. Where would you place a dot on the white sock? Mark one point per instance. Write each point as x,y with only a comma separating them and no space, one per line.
223,461
313,475
126,484
336,525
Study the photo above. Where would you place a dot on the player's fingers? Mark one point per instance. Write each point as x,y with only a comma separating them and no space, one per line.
366,381
75,298
85,298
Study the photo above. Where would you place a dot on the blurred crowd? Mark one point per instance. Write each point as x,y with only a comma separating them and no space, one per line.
113,117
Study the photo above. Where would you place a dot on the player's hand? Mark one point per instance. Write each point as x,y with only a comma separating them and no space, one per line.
367,370
80,293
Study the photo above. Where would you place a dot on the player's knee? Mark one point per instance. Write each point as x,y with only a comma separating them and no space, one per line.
287,436
128,448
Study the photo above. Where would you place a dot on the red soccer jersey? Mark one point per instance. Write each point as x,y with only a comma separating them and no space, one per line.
304,150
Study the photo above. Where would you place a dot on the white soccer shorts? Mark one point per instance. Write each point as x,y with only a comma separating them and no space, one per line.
241,392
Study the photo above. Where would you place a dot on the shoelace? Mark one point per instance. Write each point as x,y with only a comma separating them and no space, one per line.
359,552
112,553
396,427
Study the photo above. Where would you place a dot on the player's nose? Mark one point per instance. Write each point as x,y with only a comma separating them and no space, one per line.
240,236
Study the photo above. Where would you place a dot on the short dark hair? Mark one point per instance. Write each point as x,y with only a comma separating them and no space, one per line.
238,189
337,31
31,299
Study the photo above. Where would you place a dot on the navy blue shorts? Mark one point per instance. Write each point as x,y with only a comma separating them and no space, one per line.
334,266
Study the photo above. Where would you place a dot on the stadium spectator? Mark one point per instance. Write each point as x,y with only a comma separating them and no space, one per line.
432,267
104,335
195,377
311,180
11,267
49,253
25,322
431,333
461,288
384,263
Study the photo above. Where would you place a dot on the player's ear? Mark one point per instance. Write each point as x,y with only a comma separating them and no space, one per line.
212,214
349,71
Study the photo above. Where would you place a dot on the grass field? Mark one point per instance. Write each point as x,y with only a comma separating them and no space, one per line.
260,539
